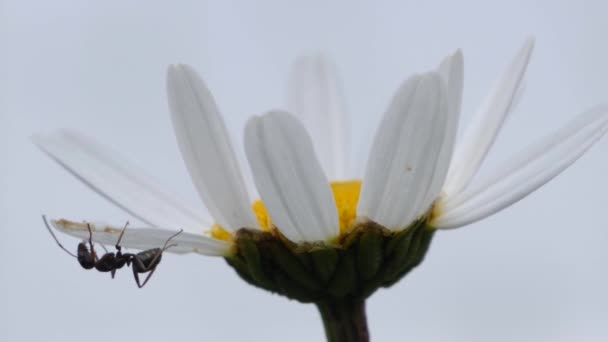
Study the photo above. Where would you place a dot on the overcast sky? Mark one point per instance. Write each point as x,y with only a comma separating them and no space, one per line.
537,271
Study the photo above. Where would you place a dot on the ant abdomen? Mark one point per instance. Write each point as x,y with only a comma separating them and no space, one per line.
149,258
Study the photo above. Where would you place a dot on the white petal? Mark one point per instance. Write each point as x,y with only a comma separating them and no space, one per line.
482,131
124,184
145,238
290,179
206,149
526,172
452,71
405,153
315,97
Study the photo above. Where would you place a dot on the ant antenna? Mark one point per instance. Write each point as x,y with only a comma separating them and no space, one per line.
171,245
46,223
166,246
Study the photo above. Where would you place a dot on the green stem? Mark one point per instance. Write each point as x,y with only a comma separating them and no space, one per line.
344,320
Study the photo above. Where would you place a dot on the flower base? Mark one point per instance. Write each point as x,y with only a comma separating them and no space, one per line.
337,278
367,258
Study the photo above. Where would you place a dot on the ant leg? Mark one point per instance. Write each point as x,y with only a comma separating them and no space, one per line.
55,237
121,235
147,277
91,243
136,275
136,278
139,267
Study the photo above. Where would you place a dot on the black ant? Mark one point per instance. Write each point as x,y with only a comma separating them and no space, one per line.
143,262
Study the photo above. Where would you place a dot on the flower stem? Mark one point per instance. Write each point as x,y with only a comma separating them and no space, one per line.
345,320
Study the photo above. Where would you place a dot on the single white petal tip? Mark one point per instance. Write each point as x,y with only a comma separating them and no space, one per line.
481,133
451,70
525,172
289,177
403,173
145,238
206,149
314,95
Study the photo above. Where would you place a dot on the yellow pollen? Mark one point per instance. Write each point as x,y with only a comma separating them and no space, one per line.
262,215
220,233
346,195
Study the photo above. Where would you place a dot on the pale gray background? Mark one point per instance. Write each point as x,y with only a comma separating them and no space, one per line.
535,272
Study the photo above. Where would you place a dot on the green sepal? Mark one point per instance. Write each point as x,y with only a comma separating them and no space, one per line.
293,290
398,249
344,280
252,258
305,259
324,260
291,266
242,270
369,254
417,249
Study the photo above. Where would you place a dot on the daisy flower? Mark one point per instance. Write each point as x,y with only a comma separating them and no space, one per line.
315,235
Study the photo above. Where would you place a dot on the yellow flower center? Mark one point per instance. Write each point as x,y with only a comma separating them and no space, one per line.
346,195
